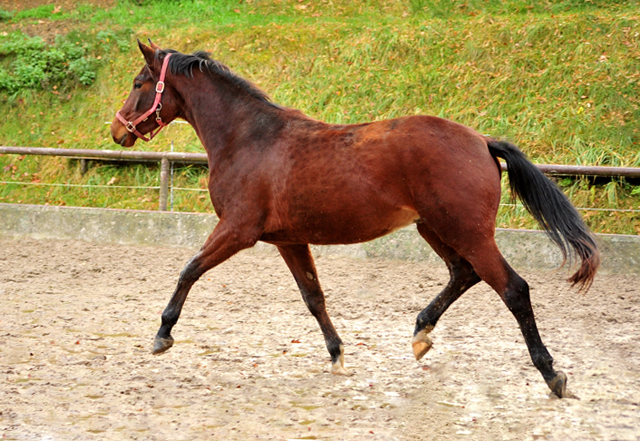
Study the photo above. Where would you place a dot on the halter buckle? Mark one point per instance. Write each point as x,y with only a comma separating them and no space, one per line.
158,117
160,87
130,127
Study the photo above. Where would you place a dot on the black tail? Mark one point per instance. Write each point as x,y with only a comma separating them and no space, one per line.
553,211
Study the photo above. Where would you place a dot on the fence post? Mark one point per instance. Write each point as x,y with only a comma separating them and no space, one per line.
84,166
164,183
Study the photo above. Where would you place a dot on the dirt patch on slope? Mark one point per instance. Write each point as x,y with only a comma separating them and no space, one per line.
46,27
14,5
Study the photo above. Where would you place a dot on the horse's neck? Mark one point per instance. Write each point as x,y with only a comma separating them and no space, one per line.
221,115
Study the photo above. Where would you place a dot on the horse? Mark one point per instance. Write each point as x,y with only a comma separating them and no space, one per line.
281,177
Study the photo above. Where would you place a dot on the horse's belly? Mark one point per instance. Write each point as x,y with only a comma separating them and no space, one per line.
343,228
404,217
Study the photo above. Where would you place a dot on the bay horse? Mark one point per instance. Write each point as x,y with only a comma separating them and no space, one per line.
281,177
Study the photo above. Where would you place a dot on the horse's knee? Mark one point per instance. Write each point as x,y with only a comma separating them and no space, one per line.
314,299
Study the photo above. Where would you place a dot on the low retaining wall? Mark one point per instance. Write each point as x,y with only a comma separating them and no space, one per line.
523,249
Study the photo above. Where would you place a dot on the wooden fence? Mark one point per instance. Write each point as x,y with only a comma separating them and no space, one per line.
166,158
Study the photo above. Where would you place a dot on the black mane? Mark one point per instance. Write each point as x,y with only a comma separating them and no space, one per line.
183,64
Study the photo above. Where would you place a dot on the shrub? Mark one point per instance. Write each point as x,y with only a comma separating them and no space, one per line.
5,15
33,64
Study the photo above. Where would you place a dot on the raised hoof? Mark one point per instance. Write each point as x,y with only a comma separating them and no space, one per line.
421,344
559,386
160,345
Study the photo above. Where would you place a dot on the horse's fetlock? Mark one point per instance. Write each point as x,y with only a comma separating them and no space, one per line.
169,318
422,328
543,362
424,321
336,350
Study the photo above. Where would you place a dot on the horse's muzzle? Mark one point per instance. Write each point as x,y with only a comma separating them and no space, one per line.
121,135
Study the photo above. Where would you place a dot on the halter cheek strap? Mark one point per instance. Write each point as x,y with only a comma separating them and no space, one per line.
157,107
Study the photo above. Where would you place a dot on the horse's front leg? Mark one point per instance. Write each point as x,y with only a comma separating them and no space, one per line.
300,262
224,242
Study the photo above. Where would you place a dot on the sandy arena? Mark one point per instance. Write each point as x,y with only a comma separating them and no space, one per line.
78,321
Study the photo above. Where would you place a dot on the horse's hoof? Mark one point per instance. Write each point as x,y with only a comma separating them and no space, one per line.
559,385
160,345
338,369
421,344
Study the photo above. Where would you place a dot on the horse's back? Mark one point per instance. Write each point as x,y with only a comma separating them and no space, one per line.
354,183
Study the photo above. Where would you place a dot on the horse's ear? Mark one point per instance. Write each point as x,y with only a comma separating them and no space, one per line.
148,53
154,46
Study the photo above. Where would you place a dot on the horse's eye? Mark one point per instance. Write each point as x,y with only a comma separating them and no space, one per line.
137,85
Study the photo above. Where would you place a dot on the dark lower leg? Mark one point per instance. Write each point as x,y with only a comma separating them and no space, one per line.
299,260
491,266
517,299
462,277
221,244
189,275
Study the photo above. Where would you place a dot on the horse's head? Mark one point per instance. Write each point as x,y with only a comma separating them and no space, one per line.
152,102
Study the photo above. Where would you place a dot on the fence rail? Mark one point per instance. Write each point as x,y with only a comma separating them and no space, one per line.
166,158
111,155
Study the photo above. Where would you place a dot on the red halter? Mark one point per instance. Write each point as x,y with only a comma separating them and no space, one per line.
157,107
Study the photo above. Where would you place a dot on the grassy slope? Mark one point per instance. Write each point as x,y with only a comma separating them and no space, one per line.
558,78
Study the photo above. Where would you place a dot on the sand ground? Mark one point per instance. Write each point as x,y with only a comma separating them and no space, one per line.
249,362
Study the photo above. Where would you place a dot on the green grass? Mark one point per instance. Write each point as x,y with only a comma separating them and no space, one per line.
558,78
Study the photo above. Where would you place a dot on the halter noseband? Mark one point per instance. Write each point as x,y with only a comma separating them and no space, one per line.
157,107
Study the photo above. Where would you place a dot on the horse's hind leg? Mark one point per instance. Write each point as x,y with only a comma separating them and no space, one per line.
514,292
462,277
300,262
517,299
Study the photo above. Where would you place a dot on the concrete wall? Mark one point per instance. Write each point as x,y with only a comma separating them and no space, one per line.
523,249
